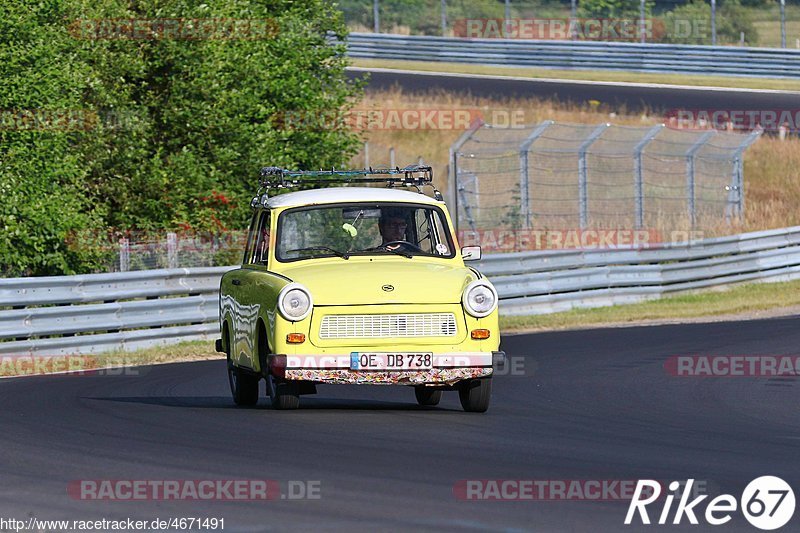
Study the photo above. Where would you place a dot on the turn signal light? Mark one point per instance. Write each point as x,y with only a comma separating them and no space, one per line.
296,338
479,334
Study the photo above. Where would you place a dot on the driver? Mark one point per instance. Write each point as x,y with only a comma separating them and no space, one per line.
392,226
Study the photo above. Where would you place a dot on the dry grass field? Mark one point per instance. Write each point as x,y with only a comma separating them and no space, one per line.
772,166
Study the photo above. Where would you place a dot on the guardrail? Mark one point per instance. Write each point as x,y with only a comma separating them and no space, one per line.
581,55
95,313
548,282
124,311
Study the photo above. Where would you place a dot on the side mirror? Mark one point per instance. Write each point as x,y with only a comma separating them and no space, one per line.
471,253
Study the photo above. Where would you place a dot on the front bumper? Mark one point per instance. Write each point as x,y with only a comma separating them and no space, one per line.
447,369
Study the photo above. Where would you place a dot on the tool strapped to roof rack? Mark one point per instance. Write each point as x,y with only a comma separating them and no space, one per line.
277,178
416,176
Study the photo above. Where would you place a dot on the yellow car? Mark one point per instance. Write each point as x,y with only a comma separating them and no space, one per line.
357,285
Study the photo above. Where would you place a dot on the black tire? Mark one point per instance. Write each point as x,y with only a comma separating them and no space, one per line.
283,395
475,395
427,395
244,386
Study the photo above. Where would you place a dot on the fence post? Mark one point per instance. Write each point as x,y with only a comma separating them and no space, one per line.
573,13
736,191
638,174
691,153
172,250
444,18
583,192
124,255
713,22
642,23
524,178
733,188
783,23
452,171
376,18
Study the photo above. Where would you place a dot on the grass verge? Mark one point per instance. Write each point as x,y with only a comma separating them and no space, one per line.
738,302
26,365
586,75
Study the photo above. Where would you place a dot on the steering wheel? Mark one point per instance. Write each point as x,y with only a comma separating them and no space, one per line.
405,243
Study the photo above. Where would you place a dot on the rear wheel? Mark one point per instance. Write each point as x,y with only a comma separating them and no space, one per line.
475,395
427,395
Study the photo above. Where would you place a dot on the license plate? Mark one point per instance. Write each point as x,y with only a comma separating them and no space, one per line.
391,361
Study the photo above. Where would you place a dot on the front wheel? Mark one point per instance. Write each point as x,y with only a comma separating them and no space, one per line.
283,395
475,395
244,386
427,395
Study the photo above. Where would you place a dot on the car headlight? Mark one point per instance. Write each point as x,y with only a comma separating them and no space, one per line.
294,302
479,298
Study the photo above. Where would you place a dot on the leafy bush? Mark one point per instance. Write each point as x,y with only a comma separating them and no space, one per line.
620,9
172,126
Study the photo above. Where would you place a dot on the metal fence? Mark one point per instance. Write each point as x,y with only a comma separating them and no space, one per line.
774,23
124,311
146,251
567,176
671,59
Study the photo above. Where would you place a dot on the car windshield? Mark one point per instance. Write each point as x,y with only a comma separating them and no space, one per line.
345,230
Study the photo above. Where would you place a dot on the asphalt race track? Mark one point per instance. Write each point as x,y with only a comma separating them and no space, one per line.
594,404
634,97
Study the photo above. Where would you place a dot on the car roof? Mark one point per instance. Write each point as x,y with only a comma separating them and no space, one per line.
335,195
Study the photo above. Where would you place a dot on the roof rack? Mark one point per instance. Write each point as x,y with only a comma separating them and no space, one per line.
279,178
276,177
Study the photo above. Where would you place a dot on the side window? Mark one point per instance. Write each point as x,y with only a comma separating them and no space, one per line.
261,252
259,240
251,239
431,236
424,230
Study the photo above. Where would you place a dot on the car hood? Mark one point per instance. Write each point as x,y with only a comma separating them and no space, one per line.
386,281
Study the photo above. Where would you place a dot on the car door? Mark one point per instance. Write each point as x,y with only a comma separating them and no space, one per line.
248,298
231,295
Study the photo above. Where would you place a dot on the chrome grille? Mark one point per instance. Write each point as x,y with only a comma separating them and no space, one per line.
377,326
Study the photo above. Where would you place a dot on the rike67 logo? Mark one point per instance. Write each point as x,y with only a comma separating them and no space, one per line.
767,503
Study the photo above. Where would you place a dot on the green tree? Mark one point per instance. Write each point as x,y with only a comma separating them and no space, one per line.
43,128
181,125
691,24
620,9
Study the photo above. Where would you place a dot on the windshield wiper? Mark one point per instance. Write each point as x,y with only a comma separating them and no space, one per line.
397,251
337,253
